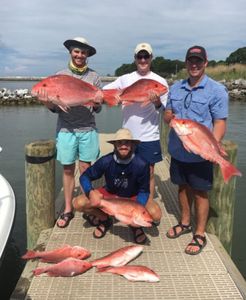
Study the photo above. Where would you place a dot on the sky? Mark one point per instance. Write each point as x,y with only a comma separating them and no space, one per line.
32,32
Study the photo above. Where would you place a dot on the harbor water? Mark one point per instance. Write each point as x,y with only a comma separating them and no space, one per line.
21,125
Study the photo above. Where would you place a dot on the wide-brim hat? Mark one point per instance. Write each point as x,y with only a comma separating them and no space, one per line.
123,134
80,42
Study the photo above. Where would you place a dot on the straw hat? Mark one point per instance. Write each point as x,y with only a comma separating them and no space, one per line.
80,42
123,134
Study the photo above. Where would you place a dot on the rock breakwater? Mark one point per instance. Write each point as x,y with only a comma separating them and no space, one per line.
236,89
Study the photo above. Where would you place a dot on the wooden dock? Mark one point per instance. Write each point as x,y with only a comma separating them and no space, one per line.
209,275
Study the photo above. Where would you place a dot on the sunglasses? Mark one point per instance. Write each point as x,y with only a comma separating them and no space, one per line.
143,56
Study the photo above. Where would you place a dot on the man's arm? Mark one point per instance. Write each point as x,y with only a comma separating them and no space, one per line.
219,129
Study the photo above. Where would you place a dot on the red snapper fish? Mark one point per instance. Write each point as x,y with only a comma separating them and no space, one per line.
133,273
125,210
66,268
65,91
119,257
198,139
58,254
137,92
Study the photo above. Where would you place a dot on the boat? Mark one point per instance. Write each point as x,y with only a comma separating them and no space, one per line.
7,213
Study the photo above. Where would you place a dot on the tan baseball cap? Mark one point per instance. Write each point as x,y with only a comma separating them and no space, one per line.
143,47
123,134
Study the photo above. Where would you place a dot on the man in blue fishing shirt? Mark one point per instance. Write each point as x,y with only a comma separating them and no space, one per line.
126,175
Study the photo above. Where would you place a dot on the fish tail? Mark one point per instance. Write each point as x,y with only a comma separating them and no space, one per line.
29,255
110,97
228,170
38,271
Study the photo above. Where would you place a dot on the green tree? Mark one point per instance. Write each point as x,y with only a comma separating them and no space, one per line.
238,56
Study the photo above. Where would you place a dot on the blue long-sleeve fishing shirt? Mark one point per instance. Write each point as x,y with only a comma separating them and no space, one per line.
124,180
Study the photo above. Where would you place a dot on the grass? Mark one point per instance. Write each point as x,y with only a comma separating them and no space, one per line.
222,72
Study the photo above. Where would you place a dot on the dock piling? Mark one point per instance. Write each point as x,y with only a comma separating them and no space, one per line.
40,188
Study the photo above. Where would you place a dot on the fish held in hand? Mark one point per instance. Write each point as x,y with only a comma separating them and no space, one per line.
198,139
139,91
119,257
125,210
65,91
67,268
133,273
58,254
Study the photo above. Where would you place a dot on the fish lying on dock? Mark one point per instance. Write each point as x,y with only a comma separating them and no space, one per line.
58,254
198,139
137,92
119,257
66,268
123,209
66,91
133,273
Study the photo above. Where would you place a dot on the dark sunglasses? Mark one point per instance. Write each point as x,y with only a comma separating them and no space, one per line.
143,56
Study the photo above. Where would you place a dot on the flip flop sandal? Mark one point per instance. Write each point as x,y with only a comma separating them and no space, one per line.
184,229
106,225
136,235
67,217
92,220
196,238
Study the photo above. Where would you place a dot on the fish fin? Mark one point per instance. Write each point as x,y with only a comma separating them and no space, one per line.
228,170
222,150
30,254
122,218
102,269
64,108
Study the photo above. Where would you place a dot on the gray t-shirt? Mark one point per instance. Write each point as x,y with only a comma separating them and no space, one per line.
78,118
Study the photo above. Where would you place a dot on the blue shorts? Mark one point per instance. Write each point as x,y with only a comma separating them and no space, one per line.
77,145
150,151
198,175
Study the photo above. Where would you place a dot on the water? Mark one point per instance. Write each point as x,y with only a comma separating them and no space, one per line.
22,125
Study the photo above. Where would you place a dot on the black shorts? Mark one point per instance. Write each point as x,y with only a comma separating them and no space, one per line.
198,175
150,151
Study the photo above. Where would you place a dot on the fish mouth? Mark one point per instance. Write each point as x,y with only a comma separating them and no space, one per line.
143,223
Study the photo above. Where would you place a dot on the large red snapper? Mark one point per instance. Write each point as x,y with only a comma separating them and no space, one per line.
119,257
139,91
198,139
133,273
58,254
125,210
66,268
66,91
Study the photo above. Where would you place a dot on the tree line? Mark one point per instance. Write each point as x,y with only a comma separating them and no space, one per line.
167,67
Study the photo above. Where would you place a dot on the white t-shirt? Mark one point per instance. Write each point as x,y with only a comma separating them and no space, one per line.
142,121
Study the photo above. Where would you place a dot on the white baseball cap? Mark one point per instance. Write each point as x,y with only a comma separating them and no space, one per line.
143,47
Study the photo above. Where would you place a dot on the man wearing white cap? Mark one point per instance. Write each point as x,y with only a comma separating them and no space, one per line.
77,136
143,121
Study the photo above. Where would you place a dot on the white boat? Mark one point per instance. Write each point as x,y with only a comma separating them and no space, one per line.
7,213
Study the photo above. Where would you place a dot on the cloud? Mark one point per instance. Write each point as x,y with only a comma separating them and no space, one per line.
32,32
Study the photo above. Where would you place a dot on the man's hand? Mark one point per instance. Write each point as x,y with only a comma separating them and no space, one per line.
155,99
98,99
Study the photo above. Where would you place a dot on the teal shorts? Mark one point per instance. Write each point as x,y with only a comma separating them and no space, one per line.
77,145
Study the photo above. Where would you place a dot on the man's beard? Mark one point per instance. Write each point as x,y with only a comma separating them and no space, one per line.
119,156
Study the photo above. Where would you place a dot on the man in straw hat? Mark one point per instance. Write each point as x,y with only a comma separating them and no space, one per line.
126,175
77,137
